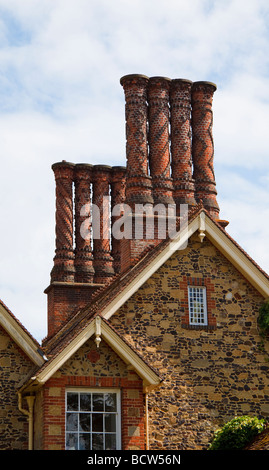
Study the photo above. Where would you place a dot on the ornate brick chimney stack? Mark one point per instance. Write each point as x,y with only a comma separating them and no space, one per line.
84,270
63,269
103,262
159,139
180,105
118,187
138,181
203,146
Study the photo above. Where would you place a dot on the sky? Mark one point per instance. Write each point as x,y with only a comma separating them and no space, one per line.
60,99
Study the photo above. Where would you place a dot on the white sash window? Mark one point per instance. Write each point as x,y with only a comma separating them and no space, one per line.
93,419
197,305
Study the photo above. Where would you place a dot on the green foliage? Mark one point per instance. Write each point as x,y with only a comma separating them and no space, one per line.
237,433
263,318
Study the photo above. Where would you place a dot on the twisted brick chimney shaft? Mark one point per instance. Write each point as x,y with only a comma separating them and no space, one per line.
181,146
158,137
203,146
84,270
138,182
63,269
103,263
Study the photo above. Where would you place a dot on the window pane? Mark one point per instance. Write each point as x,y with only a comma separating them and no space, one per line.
85,422
85,402
72,402
110,402
72,422
110,423
97,441
97,422
84,442
71,441
98,402
110,441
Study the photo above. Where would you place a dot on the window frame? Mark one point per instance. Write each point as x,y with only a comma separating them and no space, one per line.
82,390
190,300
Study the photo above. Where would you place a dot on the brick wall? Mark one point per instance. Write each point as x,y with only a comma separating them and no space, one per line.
64,300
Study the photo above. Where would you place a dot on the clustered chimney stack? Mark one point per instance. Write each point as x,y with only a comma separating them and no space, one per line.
169,160
82,256
169,141
169,151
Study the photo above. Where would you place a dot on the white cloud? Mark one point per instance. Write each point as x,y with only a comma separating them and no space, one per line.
60,98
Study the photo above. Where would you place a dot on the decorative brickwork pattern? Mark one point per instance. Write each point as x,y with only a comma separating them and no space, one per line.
103,262
63,269
159,150
83,252
180,105
118,195
138,187
203,146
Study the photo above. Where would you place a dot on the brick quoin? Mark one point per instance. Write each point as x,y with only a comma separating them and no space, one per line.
132,424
